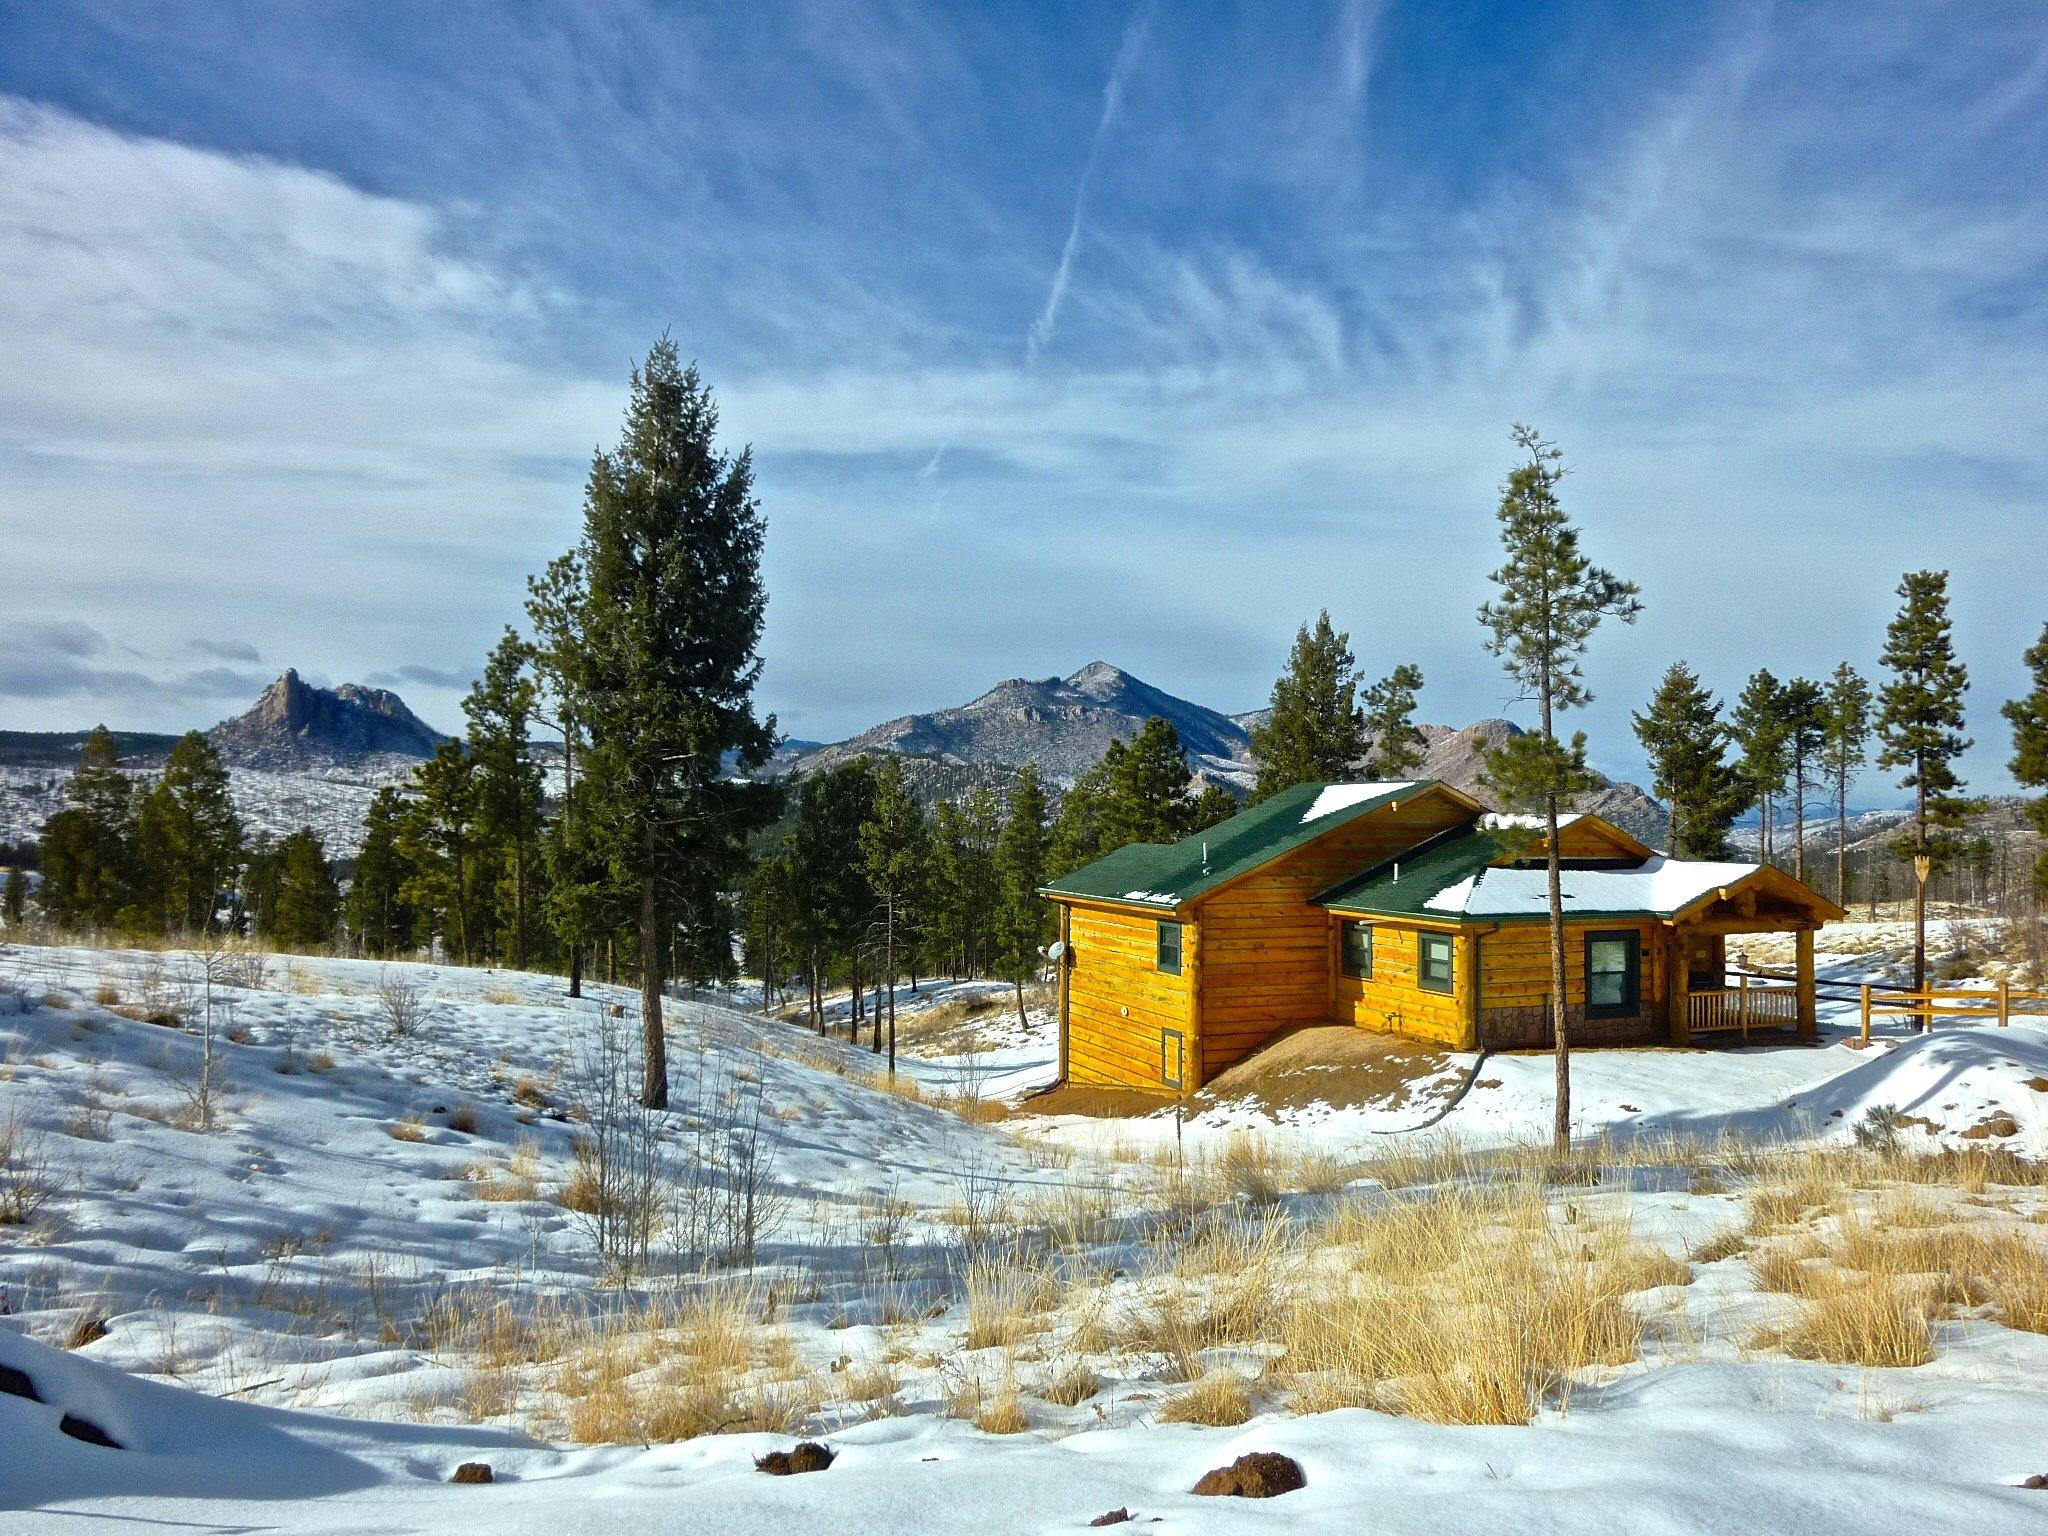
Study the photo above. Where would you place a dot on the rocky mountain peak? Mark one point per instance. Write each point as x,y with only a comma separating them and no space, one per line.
295,724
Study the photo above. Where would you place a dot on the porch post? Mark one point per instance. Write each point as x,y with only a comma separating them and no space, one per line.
1677,991
1809,1015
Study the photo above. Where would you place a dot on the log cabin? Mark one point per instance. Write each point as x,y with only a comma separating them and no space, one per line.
1410,908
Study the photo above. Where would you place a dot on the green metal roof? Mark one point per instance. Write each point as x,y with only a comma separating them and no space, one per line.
1168,875
1402,886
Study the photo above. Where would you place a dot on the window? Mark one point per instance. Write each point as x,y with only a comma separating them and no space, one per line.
1613,975
1169,948
1434,970
1354,949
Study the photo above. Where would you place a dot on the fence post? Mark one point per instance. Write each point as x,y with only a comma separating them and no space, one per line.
2004,1003
1866,1013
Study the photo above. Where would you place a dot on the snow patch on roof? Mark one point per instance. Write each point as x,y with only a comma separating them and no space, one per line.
1513,821
1657,885
1341,797
1152,898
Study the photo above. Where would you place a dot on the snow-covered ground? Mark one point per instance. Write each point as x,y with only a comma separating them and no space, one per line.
271,1298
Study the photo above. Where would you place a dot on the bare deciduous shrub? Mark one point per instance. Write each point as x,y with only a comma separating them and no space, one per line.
402,1005
27,1180
615,1190
724,1199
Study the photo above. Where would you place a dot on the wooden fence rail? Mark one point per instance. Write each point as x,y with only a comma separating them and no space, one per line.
1949,1003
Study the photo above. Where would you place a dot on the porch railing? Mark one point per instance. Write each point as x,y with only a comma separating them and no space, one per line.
1742,1008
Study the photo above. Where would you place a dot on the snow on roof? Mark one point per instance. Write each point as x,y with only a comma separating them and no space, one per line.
1152,898
1506,821
1341,797
1659,884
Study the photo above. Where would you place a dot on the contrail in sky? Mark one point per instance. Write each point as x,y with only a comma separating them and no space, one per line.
1112,101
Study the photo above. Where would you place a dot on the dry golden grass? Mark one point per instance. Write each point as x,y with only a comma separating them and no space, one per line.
1002,1413
1069,1384
1007,1299
500,995
517,1180
1464,1306
1218,1401
411,1128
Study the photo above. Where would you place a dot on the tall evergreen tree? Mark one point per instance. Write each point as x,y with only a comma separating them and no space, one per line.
1315,730
438,839
670,630
1806,722
1844,737
963,880
895,848
1149,788
1759,723
1024,923
1551,600
575,902
2028,715
1686,740
1213,805
375,909
307,904
189,840
14,896
508,780
836,901
88,847
1920,729
1395,748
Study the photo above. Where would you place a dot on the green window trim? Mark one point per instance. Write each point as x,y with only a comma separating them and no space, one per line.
1436,962
1169,948
1354,949
1614,974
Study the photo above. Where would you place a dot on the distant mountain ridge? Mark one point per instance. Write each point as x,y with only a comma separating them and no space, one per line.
1063,724
296,725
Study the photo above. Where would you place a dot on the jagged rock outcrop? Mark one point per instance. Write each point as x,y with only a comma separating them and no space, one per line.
296,725
1456,755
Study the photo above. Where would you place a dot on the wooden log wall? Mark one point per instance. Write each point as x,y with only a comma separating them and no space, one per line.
1515,979
1395,1002
1119,1003
1266,956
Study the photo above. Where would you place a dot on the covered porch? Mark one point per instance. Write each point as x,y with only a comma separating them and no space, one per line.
1711,1003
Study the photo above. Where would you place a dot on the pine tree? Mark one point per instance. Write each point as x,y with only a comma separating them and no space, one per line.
2029,718
1920,729
1213,805
670,629
307,904
1389,708
438,839
188,838
895,846
88,861
1687,742
1315,730
1805,707
576,886
836,902
1760,731
375,909
1843,738
14,896
508,780
1024,922
1148,788
1551,600
963,879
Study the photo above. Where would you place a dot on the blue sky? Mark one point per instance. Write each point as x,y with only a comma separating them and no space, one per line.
1060,332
